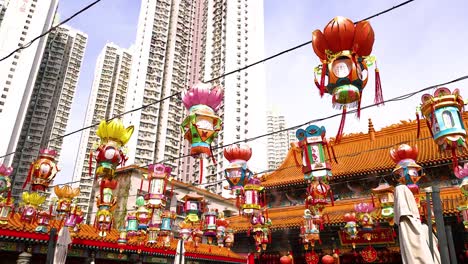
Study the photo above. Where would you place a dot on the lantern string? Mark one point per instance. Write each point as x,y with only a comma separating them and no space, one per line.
177,94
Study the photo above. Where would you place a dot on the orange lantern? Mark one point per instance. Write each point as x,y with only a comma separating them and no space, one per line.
344,49
42,171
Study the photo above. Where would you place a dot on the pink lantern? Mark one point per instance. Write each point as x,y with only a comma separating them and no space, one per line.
158,176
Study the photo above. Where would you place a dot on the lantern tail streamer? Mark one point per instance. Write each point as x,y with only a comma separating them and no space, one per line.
201,171
29,176
8,197
339,134
419,125
378,100
358,111
322,79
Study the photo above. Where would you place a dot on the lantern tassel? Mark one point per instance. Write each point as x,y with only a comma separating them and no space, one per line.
322,79
419,125
212,156
430,128
373,201
358,110
29,176
339,134
201,171
378,100
8,197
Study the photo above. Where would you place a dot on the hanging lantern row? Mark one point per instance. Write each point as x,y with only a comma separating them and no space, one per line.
202,125
109,155
344,50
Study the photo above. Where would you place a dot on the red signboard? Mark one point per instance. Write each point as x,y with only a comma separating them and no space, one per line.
378,236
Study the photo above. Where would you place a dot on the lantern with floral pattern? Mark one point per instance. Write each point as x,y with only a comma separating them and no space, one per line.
253,200
42,171
193,207
344,50
158,177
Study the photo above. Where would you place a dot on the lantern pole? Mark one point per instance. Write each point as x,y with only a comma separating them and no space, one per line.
442,238
51,247
429,223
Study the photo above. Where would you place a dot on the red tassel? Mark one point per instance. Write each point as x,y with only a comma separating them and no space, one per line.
373,200
378,100
201,171
419,125
430,128
393,233
358,111
339,134
334,156
8,197
29,176
322,79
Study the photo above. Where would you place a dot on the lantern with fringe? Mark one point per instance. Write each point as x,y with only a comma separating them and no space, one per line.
253,199
65,195
210,225
407,170
317,197
443,117
311,142
221,225
113,137
310,232
261,231
344,50
202,125
74,219
42,171
384,193
266,234
158,176
30,204
193,207
237,172
366,222
132,224
105,203
165,233
351,225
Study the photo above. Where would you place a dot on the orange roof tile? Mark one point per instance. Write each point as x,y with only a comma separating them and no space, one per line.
292,216
357,155
88,236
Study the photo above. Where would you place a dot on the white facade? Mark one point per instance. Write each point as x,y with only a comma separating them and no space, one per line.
48,110
160,70
107,99
277,143
21,22
234,38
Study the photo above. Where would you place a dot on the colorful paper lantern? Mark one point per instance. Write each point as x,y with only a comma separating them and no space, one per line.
351,225
311,142
253,199
43,220
6,209
408,171
310,232
443,117
158,177
42,171
221,225
464,211
165,233
185,230
30,204
202,125
237,173
317,196
344,50
142,214
194,205
65,195
6,203
229,240
132,224
210,225
366,222
113,136
5,180
462,173
74,219
384,193
122,237
327,259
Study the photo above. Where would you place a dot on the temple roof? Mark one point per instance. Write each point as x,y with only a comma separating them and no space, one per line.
358,155
88,237
292,216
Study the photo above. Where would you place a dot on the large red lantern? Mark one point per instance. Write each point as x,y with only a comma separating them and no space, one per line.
237,172
42,171
344,49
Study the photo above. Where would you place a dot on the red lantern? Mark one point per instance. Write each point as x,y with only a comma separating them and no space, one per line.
285,260
344,50
327,259
237,173
42,171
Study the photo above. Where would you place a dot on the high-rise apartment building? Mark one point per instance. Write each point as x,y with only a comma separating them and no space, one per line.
107,99
48,110
277,143
158,71
21,22
232,36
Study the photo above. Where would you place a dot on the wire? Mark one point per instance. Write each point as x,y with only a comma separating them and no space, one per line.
50,30
177,93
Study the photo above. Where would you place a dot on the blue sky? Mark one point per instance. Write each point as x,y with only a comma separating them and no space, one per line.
418,45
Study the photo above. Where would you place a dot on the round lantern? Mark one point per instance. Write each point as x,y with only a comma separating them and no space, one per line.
408,171
327,259
202,125
317,196
42,171
351,226
286,260
311,142
443,117
344,49
237,172
158,176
